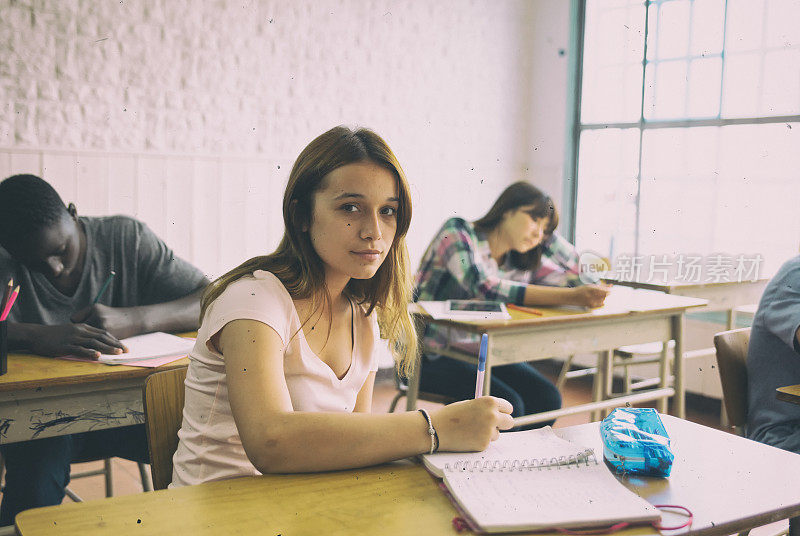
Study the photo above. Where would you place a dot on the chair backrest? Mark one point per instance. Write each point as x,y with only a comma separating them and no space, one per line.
732,363
163,396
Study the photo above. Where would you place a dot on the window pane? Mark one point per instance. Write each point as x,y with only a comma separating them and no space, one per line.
704,87
741,85
606,208
612,61
678,191
781,90
756,209
744,27
729,190
673,30
665,91
708,17
783,24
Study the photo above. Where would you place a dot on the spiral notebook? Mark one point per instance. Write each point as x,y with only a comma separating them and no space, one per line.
534,480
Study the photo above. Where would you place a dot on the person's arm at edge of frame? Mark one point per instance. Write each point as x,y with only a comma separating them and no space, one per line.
278,439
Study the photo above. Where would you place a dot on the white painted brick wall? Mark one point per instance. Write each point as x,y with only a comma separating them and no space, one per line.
446,82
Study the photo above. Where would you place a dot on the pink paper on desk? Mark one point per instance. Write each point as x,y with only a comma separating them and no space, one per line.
148,350
150,363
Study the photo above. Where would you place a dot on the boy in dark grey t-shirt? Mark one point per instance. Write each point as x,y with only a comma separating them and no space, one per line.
60,261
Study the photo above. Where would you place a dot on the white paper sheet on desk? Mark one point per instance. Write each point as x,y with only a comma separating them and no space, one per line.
626,300
439,311
149,346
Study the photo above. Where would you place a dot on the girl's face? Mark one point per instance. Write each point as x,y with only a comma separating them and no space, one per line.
524,232
354,220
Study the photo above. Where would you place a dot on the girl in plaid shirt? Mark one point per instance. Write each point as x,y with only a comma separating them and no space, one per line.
511,254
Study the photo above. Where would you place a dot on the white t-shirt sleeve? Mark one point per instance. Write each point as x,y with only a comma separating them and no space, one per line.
262,298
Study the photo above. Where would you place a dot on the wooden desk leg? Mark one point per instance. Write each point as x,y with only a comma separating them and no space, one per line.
663,374
680,391
794,526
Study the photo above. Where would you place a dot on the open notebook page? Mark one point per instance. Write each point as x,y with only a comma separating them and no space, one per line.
581,495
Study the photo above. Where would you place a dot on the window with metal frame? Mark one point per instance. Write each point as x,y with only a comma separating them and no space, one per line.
687,129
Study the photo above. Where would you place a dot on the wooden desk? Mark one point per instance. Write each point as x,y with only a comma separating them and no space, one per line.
44,397
730,483
628,317
724,296
790,393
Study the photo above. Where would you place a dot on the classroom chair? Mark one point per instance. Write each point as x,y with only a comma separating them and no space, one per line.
731,349
732,365
163,396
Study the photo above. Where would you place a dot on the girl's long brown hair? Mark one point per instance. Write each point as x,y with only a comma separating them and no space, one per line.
300,269
517,195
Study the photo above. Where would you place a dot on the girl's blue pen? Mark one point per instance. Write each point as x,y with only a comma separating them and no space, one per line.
481,365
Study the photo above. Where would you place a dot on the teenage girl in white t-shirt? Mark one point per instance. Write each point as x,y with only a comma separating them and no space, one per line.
281,376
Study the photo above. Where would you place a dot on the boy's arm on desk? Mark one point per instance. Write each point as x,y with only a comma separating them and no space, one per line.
64,339
172,316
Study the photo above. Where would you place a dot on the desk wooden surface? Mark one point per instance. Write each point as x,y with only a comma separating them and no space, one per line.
730,484
621,303
790,393
722,295
629,316
45,397
32,372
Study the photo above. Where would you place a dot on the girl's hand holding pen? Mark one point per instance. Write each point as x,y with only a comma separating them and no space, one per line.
590,295
470,425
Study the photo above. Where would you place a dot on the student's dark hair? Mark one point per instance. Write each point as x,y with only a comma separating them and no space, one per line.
28,204
522,194
298,266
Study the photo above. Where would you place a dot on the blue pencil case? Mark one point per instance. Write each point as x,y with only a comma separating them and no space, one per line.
636,442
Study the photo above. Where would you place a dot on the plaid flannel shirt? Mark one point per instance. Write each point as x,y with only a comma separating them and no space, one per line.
458,265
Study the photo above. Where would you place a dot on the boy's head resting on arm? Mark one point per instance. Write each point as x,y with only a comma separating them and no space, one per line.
38,230
346,212
521,219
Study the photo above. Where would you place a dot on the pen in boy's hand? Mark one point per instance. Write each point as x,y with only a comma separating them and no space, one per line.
104,287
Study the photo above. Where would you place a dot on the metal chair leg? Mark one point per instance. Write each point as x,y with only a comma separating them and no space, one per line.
562,376
72,495
108,475
145,476
395,400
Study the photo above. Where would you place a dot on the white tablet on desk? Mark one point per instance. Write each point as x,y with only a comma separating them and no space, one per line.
476,309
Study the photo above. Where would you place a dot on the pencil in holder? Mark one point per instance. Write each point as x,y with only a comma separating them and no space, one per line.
3,347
